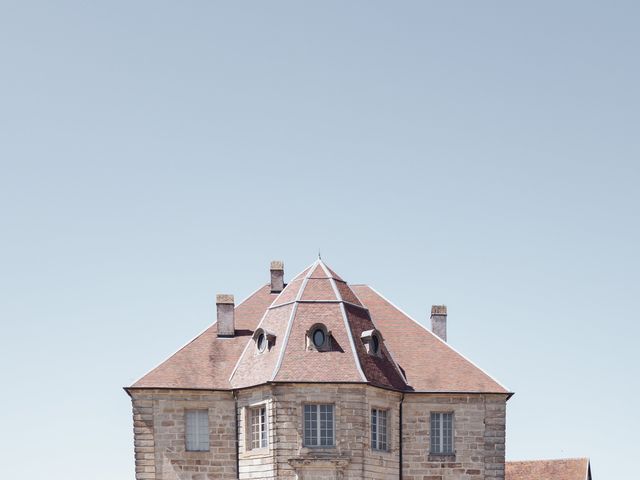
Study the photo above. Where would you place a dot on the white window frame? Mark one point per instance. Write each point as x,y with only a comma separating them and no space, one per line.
196,430
318,424
439,441
263,441
381,430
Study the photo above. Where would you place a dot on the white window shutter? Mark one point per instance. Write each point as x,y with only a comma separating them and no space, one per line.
197,430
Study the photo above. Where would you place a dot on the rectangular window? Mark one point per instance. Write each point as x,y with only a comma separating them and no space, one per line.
442,433
197,430
378,429
318,426
258,427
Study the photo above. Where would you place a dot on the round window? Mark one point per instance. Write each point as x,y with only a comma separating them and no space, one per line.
375,343
318,337
262,342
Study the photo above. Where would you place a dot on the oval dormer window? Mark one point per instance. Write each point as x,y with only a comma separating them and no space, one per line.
375,343
319,337
262,342
372,340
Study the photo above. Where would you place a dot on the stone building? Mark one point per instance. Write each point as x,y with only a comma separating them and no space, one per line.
318,379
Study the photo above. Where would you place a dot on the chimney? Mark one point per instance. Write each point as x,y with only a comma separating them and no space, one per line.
439,321
277,276
225,308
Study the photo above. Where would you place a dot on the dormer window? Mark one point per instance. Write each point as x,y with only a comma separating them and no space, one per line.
262,342
264,339
318,338
372,340
375,344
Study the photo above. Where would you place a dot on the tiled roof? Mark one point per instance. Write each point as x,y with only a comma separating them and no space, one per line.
411,358
319,297
208,360
563,469
429,363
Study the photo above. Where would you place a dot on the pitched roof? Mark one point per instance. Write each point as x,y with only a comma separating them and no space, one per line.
411,358
429,363
562,469
206,362
317,297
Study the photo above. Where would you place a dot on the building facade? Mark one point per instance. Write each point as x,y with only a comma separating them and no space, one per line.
318,379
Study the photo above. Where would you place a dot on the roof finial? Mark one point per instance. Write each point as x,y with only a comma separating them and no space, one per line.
319,256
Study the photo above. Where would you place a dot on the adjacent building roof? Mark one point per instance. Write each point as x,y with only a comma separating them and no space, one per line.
411,358
562,469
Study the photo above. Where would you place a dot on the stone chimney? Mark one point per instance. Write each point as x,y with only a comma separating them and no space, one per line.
277,276
439,321
226,320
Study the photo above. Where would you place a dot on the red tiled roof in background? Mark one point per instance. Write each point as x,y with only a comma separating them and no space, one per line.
318,295
562,469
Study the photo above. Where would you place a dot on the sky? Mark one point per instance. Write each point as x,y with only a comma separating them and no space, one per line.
482,155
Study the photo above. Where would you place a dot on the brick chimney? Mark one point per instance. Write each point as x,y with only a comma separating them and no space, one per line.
277,276
439,321
226,320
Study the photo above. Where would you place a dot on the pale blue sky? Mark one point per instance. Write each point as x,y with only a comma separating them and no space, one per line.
155,153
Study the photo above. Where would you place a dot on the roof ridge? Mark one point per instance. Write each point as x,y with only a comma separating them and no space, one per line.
244,350
393,359
438,338
294,309
347,327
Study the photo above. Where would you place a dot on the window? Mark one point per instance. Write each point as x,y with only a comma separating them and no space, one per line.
372,340
197,430
263,339
442,433
258,438
262,342
375,343
318,337
318,426
378,429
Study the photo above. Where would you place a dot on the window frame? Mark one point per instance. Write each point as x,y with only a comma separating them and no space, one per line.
310,334
201,432
377,444
268,339
369,338
318,435
250,410
440,444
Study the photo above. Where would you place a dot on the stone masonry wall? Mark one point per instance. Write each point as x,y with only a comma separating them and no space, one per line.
495,436
379,465
345,460
479,437
144,446
159,435
352,457
256,463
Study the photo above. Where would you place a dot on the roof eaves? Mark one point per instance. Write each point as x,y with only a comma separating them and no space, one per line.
197,336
